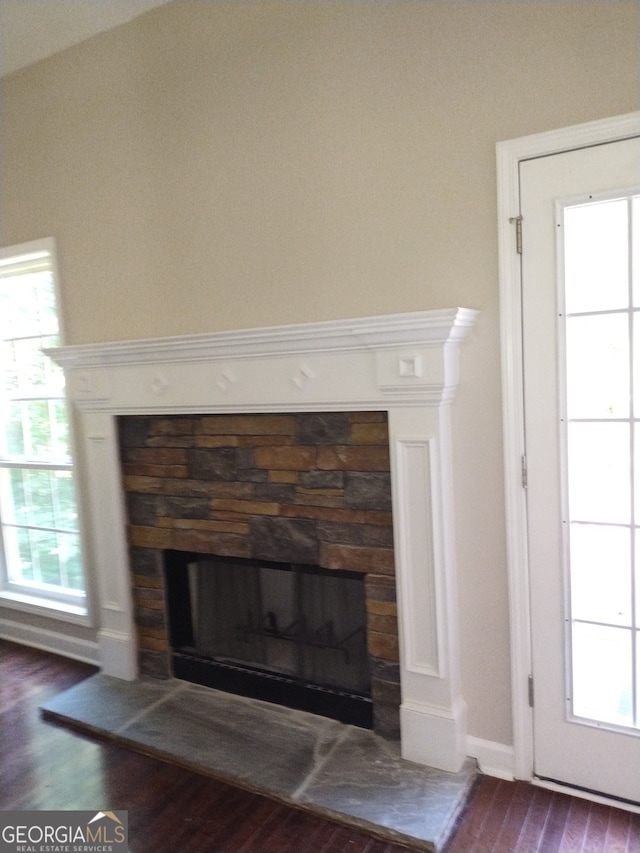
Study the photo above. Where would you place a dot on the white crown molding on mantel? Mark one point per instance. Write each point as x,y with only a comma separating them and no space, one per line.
403,364
420,328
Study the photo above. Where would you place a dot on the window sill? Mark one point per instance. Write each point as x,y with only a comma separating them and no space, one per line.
62,611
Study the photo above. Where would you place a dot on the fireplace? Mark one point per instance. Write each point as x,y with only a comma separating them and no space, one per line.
240,495
405,365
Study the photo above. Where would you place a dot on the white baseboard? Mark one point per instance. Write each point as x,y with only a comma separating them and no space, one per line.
50,641
434,736
119,654
494,759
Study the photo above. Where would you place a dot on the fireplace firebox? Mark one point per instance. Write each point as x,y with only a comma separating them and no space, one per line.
288,633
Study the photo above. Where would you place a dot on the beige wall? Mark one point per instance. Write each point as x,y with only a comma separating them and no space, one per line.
221,165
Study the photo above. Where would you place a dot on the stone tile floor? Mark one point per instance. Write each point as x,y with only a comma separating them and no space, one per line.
343,772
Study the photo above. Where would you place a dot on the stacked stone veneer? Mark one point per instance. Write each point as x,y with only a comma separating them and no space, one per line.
303,488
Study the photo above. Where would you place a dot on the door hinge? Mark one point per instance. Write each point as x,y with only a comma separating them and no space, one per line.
524,471
518,222
530,687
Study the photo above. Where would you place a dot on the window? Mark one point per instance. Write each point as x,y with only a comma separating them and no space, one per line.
40,553
601,320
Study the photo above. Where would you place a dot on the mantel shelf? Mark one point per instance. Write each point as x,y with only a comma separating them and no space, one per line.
417,329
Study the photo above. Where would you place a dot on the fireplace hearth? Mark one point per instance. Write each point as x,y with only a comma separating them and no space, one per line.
290,634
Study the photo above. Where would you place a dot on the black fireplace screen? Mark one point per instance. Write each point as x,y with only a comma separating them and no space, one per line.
295,623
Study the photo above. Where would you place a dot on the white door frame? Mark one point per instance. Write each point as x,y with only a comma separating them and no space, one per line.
509,155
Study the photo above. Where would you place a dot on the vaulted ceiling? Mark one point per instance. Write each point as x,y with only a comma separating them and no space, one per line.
31,30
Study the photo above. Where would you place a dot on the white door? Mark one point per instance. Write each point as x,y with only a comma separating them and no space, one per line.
581,352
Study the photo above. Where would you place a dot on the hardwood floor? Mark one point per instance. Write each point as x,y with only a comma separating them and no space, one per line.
515,817
172,810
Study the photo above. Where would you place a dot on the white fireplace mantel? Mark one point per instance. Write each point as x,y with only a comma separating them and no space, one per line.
404,364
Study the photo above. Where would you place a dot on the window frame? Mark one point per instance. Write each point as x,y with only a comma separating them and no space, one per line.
24,597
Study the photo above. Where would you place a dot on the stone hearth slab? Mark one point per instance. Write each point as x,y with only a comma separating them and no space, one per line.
345,773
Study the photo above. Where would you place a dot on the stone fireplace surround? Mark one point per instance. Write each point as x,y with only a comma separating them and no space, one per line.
403,364
306,488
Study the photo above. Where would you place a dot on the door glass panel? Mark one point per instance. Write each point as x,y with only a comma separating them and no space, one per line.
598,366
637,586
636,358
601,573
602,497
602,674
635,248
598,463
596,256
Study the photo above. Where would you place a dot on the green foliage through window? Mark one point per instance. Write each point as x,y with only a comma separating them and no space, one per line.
40,544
